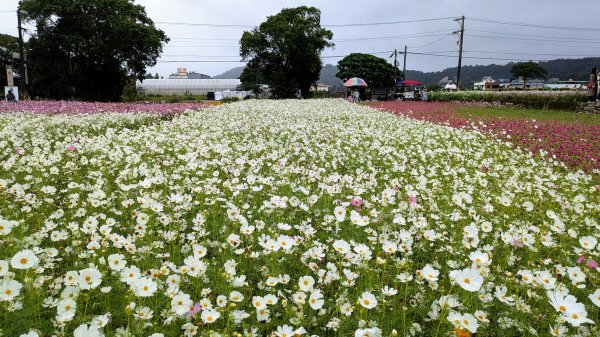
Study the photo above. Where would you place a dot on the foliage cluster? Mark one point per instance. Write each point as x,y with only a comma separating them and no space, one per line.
284,51
89,49
377,72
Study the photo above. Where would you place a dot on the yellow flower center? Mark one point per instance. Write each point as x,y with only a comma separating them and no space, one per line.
24,261
467,280
562,308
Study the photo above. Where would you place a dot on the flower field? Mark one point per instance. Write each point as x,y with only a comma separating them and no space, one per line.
574,143
288,218
76,108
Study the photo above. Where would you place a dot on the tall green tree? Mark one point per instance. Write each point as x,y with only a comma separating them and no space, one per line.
8,45
377,72
88,49
527,71
284,51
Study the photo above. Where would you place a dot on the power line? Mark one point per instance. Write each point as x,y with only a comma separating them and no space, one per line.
536,54
385,23
392,37
198,61
528,39
331,25
528,35
522,24
202,24
429,44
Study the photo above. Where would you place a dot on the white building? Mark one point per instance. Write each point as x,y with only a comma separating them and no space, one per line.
180,87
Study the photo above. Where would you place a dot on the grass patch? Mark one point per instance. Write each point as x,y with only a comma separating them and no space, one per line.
520,113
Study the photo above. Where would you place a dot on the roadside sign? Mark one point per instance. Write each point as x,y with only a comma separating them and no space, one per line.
9,76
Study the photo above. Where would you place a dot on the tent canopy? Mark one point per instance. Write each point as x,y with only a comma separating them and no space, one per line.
408,82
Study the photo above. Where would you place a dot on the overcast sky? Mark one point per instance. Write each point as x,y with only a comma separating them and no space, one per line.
215,48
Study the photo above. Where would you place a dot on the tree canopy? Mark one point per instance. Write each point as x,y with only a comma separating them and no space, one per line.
8,45
284,51
88,49
528,70
377,72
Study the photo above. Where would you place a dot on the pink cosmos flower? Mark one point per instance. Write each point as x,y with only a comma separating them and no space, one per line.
580,259
71,147
356,202
592,264
196,309
413,200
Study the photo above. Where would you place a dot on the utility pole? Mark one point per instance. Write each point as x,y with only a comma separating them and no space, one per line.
23,67
404,67
461,21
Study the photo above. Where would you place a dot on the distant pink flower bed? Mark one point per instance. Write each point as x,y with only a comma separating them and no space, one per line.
576,145
74,107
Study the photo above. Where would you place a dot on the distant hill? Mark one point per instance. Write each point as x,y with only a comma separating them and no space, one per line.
563,69
231,73
328,75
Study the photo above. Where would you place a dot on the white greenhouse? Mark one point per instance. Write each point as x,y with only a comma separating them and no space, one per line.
180,87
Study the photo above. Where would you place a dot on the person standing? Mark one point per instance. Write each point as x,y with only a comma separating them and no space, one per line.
425,95
592,85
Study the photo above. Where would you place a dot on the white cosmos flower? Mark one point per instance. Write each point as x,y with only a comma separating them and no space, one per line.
468,278
3,267
368,300
368,332
595,297
87,331
576,274
181,303
358,219
236,296
463,321
130,274
144,287
429,273
389,247
340,213
9,289
24,259
285,331
31,333
588,242
116,262
479,258
209,316
6,226
316,300
341,246
306,283
259,302
89,278
387,291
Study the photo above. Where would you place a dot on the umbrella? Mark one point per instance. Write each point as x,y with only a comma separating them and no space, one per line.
355,82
